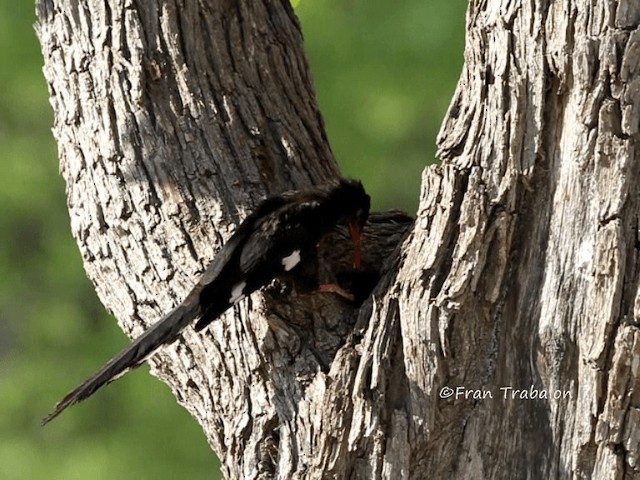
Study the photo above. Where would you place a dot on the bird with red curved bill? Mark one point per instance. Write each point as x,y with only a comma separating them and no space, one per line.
277,238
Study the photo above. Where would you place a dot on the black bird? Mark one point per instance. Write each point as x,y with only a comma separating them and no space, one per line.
277,238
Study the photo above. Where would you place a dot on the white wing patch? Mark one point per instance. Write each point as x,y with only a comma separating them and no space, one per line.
237,292
291,261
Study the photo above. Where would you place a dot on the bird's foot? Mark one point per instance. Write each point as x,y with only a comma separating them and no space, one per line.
334,288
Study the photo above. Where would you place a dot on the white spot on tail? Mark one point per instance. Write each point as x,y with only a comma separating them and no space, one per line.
237,292
291,261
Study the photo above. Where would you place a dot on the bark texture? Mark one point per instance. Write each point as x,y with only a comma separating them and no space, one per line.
519,278
542,287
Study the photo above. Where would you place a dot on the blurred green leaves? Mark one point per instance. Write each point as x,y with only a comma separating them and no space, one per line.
384,74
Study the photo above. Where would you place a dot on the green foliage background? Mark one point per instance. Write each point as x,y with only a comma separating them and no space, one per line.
384,72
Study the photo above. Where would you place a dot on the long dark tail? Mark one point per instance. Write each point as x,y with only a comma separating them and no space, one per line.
161,333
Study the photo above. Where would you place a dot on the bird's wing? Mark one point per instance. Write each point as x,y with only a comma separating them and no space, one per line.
265,246
237,241
279,236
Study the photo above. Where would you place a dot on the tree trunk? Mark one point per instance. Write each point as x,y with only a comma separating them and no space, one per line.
518,280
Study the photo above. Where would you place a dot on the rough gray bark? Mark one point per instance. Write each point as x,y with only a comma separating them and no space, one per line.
521,271
542,285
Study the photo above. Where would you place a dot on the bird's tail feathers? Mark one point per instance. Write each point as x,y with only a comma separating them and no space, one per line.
161,333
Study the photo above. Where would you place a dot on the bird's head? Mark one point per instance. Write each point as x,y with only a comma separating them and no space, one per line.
350,204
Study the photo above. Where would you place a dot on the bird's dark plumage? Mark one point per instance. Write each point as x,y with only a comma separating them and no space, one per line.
282,233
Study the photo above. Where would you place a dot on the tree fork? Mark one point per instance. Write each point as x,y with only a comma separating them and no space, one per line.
520,272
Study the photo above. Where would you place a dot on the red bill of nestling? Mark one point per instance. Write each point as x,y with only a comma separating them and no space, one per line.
356,238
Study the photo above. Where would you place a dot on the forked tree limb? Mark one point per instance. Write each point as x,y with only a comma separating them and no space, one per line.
521,270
